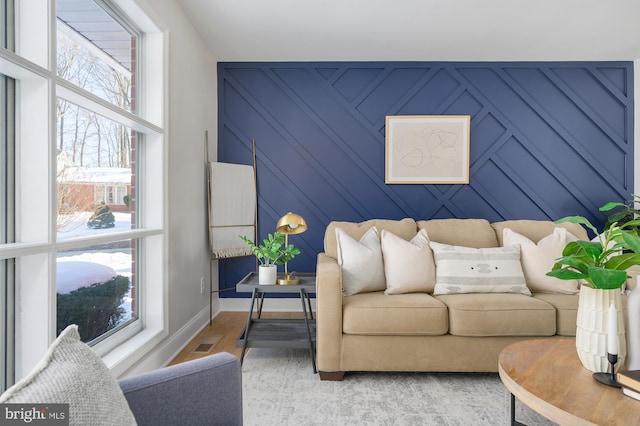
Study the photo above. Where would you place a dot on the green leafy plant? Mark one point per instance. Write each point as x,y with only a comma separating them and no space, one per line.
601,263
624,212
272,251
96,309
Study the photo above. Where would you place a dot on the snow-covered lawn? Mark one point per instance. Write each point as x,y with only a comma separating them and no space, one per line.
82,268
76,226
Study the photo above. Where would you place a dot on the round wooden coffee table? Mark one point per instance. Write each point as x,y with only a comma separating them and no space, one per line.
547,376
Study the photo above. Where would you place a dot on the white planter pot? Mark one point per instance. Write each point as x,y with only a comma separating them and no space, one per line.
591,330
633,333
267,274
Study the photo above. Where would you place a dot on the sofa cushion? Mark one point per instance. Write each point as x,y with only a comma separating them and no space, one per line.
536,230
478,270
567,311
360,262
566,306
503,314
408,265
400,314
405,228
538,259
71,373
475,233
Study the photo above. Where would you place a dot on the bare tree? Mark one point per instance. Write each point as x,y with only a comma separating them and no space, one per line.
86,139
82,67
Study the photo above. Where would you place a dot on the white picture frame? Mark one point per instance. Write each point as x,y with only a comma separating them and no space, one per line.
427,149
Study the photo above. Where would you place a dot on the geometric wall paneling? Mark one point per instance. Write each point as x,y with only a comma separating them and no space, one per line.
548,139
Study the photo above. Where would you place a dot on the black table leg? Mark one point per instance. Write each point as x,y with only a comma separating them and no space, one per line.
312,350
309,305
260,304
514,422
246,328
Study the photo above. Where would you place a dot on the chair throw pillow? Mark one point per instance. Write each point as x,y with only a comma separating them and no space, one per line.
538,259
484,270
361,262
72,373
408,265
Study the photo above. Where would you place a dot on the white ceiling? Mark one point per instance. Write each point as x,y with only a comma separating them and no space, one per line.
418,30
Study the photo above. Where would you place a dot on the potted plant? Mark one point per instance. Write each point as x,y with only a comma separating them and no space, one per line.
601,266
626,212
270,253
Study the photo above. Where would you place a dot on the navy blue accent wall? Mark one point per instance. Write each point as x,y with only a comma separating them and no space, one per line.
547,140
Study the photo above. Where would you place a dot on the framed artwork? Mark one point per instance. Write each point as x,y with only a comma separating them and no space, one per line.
427,149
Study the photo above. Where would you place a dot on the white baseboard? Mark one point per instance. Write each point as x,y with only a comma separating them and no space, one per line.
169,348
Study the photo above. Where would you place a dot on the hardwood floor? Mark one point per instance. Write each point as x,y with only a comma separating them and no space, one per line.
228,326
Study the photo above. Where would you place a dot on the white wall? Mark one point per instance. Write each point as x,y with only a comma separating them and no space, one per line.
191,110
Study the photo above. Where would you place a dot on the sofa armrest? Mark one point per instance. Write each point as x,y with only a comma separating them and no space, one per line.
203,391
328,313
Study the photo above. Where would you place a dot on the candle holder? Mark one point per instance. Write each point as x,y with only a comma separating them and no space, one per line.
606,378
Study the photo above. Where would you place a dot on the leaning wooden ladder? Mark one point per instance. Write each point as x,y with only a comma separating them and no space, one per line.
214,252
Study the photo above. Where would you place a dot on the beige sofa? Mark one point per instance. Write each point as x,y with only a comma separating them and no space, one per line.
421,332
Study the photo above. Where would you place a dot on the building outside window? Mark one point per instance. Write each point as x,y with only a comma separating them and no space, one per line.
80,216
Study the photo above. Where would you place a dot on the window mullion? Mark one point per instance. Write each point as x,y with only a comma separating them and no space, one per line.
74,94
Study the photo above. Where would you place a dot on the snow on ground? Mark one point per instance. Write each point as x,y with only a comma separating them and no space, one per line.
72,275
76,226
82,268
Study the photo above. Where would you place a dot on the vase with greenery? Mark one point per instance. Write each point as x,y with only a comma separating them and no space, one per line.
272,252
601,263
601,266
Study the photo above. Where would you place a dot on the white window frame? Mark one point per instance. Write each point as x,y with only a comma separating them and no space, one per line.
37,88
101,193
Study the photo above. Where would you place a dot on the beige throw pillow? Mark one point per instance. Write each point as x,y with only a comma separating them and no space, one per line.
72,373
408,265
538,259
484,270
361,262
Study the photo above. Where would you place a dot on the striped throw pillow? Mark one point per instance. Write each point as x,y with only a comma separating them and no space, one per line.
484,270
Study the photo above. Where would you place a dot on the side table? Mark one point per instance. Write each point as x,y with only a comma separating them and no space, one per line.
279,332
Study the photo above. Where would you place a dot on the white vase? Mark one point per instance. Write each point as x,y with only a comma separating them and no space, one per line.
591,328
633,333
267,274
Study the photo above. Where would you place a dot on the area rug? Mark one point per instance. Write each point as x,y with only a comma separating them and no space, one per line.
280,388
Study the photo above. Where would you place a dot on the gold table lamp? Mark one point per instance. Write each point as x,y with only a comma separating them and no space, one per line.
290,223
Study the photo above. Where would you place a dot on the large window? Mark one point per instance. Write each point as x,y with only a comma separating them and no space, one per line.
7,227
81,196
7,194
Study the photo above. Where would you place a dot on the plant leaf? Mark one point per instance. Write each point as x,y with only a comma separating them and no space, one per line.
623,262
573,248
566,274
631,241
578,262
617,216
607,279
592,249
580,220
611,205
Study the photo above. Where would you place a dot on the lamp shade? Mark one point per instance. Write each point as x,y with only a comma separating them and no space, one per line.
291,223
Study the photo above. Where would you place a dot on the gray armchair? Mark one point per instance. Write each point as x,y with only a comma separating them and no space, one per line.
205,391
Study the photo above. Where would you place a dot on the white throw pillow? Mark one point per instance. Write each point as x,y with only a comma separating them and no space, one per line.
408,265
71,373
484,270
361,262
538,259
